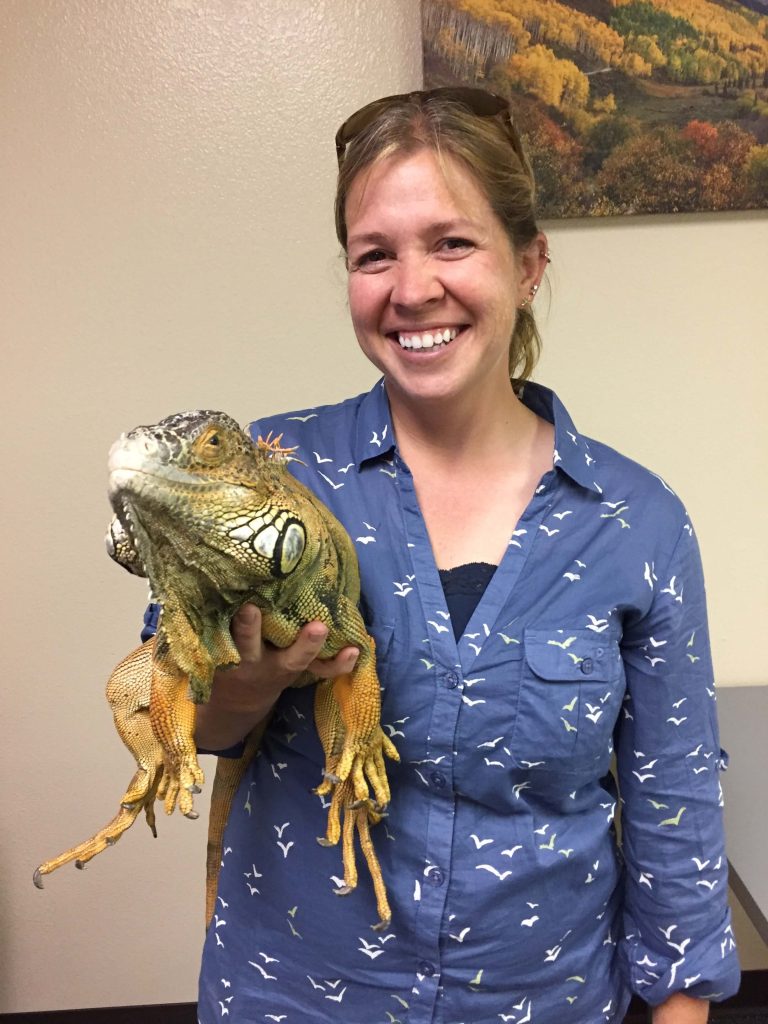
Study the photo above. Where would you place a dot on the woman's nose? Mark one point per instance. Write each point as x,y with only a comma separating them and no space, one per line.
416,284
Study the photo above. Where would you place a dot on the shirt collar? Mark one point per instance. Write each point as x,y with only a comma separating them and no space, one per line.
375,438
572,453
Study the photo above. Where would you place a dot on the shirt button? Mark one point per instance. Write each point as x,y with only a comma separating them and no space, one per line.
435,877
587,666
452,680
426,968
438,779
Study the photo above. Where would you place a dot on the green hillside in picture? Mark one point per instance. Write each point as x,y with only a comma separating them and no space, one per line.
626,106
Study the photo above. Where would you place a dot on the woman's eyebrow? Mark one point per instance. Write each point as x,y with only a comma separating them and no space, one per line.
369,238
442,227
447,227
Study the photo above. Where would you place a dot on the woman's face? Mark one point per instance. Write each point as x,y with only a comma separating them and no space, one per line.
434,284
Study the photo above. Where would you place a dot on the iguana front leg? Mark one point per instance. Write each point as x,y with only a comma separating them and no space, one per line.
347,715
183,664
172,715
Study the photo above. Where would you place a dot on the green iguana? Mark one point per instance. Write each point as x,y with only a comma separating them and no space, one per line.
214,522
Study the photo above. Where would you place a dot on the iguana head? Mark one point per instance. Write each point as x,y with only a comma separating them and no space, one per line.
193,496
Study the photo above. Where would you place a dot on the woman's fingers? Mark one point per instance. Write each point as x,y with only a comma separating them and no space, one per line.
288,662
340,664
246,632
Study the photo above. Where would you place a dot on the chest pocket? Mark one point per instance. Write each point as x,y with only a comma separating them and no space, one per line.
571,689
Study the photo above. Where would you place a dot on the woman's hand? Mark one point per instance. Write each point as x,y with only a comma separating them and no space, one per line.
245,694
681,1009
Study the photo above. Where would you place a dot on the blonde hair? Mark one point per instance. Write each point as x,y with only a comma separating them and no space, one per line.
488,148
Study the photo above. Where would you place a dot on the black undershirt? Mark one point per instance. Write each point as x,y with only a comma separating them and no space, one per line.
463,587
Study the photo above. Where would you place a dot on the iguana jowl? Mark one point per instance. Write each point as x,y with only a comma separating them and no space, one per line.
214,522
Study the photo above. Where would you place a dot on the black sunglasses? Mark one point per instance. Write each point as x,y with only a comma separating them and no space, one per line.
478,101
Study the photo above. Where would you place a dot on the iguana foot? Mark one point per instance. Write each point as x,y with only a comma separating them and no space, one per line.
178,786
357,815
347,711
143,782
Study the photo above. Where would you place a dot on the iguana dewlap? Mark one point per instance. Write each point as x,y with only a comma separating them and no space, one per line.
214,522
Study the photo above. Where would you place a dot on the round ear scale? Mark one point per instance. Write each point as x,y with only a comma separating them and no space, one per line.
292,547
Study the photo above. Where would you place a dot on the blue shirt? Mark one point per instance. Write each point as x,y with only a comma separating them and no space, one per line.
511,899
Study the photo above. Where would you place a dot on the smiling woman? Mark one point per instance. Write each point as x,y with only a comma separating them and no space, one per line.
540,605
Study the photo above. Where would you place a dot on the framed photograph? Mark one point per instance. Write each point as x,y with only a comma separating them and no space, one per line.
625,106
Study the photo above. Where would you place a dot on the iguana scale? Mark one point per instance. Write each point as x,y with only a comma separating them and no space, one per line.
215,521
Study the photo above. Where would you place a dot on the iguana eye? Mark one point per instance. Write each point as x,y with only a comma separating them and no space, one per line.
209,445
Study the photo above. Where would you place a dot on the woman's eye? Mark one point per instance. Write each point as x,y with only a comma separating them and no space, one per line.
456,245
369,259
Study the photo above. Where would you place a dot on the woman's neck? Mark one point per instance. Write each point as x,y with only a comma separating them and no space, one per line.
464,433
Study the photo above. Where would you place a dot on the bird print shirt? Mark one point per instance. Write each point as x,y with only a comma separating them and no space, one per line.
580,693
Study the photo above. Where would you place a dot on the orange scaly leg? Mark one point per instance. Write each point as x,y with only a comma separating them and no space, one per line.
128,692
347,714
172,715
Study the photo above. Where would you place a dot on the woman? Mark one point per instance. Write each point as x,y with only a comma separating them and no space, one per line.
534,597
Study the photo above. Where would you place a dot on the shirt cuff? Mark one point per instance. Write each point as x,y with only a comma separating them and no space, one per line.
151,617
234,752
705,968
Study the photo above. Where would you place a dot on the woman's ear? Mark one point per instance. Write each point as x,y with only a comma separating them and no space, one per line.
533,262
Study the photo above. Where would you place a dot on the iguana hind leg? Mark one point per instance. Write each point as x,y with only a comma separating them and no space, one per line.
128,692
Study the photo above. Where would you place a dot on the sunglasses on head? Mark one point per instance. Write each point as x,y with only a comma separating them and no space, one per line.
478,101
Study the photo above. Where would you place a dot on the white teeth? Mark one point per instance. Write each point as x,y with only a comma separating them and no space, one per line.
428,339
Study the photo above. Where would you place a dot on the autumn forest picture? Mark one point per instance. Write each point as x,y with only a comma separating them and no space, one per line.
625,106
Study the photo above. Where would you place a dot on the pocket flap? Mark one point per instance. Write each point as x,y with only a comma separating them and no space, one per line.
570,655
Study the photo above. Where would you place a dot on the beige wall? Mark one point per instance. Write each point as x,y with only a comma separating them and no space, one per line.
167,174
